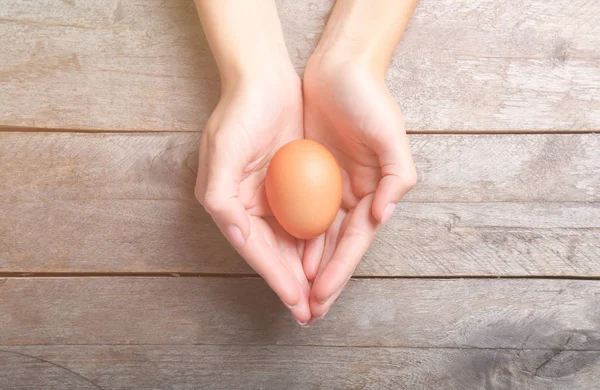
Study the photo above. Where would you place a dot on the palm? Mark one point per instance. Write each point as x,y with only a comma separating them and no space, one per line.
348,113
341,125
274,128
248,126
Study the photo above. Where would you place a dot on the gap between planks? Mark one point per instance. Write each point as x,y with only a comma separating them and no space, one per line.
7,347
20,129
19,275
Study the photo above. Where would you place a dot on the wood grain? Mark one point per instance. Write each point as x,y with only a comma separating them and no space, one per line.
515,205
412,313
422,239
500,205
145,65
278,367
452,168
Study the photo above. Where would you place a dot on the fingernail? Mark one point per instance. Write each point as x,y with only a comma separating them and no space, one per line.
303,324
289,306
387,212
235,236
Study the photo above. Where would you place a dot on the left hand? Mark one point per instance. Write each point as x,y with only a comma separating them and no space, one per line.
349,109
255,117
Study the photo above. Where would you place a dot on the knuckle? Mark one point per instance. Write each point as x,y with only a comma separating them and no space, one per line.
200,187
212,202
410,179
204,141
357,234
213,137
212,140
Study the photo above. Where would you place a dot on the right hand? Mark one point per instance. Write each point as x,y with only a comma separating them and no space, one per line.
253,119
348,108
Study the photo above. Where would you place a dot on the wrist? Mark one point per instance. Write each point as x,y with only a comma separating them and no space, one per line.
336,54
271,70
245,38
364,33
344,46
275,86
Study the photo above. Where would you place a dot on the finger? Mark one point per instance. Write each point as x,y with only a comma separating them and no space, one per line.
291,251
349,200
300,245
320,310
266,260
354,241
331,238
218,185
217,188
398,178
390,143
291,257
301,311
313,251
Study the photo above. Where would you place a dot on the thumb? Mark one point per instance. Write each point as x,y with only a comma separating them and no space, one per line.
398,177
217,189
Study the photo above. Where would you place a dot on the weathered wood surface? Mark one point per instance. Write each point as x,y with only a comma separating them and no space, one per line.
422,239
517,205
145,65
124,203
452,168
285,367
453,313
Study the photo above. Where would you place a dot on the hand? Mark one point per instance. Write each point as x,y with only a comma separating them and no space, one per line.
348,108
259,111
251,121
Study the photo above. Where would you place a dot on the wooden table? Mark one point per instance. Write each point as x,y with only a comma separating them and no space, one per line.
112,276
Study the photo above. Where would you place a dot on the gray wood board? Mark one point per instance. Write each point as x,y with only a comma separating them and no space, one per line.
452,168
145,65
485,205
453,313
124,203
285,367
422,239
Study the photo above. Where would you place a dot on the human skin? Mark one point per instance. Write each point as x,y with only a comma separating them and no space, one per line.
344,104
348,108
259,111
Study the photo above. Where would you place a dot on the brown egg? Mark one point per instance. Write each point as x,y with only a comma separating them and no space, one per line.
304,188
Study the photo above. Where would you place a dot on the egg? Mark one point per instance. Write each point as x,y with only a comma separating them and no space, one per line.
304,188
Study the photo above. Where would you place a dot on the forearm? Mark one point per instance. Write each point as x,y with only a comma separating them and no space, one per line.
366,31
245,37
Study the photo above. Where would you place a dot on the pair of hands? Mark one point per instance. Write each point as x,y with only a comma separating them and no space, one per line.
344,106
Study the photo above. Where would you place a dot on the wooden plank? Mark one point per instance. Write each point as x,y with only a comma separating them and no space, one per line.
412,313
144,65
422,239
502,239
270,367
126,203
452,168
130,198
